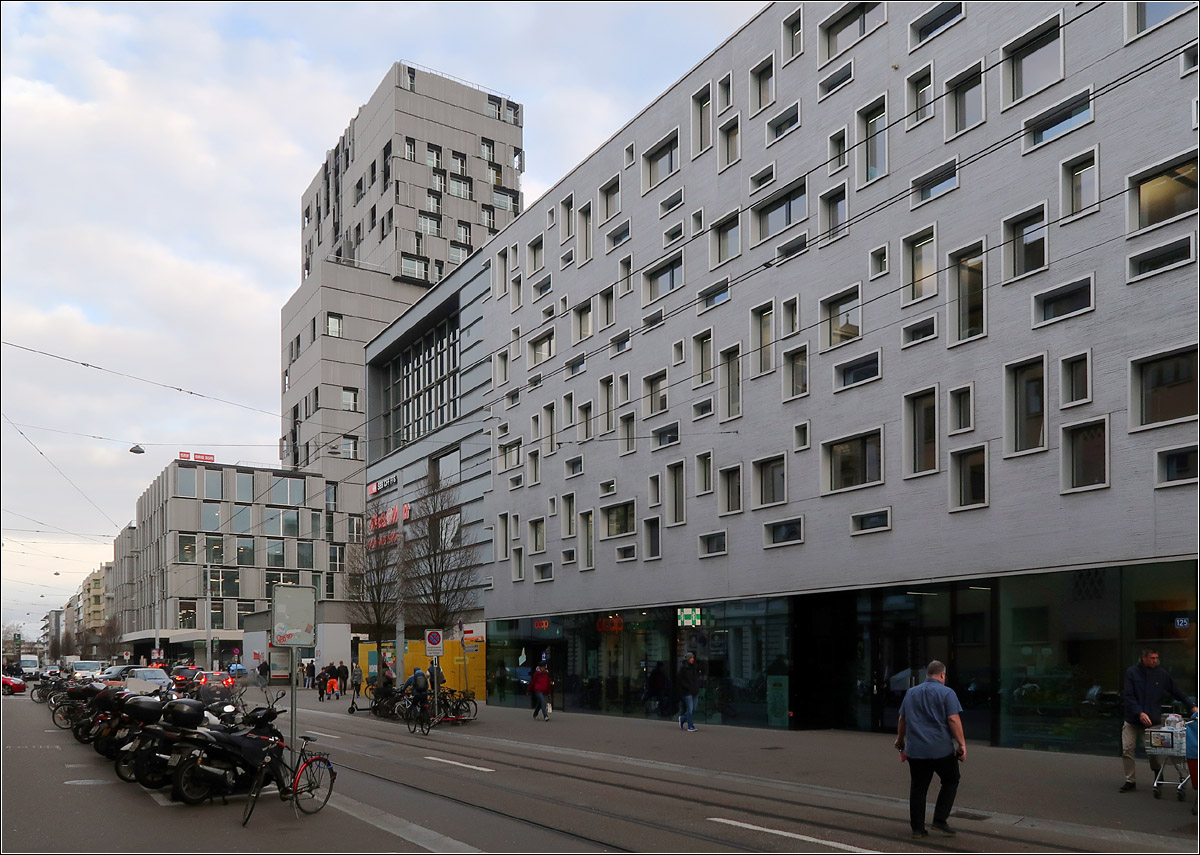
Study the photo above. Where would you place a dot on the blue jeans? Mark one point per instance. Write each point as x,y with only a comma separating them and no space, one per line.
689,710
541,705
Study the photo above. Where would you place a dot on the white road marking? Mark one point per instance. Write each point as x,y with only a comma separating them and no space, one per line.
326,735
88,782
426,838
464,765
164,800
842,846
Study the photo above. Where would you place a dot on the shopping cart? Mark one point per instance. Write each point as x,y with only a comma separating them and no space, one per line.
1168,743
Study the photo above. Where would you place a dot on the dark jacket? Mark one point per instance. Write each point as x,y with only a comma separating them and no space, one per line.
689,679
1144,691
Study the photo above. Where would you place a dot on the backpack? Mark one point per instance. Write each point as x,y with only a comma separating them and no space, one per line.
421,682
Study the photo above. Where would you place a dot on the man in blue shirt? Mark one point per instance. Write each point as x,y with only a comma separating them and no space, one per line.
930,737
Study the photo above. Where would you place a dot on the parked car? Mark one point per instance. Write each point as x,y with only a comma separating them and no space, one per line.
13,685
53,672
115,673
184,676
147,679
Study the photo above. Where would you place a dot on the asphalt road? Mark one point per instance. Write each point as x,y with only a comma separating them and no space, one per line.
495,785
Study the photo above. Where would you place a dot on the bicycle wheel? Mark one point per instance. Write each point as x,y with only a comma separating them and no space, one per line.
38,695
260,778
313,784
64,716
413,721
426,723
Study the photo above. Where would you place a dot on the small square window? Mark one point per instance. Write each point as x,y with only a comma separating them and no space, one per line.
920,97
1059,120
800,437
879,261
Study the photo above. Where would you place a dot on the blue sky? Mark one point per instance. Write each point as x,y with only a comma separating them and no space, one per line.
153,157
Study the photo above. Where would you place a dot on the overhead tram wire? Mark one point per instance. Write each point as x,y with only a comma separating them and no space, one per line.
60,472
138,379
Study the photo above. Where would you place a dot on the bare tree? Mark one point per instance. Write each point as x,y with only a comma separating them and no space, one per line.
375,581
69,647
440,569
55,650
108,637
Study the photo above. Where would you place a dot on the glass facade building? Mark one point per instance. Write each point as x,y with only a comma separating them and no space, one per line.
1037,659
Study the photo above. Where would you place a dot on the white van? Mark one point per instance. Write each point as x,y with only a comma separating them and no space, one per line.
31,667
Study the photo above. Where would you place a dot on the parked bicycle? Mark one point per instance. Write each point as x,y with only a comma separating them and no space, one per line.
311,782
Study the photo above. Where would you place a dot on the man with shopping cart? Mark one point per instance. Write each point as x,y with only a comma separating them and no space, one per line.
1145,686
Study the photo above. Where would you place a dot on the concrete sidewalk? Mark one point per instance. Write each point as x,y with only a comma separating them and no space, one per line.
1069,792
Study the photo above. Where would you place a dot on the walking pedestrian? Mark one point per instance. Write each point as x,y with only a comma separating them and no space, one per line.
264,673
689,690
343,675
322,682
356,678
312,675
539,688
930,737
1146,684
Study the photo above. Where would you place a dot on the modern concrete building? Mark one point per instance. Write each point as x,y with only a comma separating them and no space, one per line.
209,542
425,173
871,341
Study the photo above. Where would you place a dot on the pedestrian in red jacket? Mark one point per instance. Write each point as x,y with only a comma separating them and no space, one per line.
539,686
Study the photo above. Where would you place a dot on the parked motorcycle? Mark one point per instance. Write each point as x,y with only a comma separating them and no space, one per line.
211,762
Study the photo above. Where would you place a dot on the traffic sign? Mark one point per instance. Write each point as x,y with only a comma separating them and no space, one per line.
126,654
433,643
470,648
237,651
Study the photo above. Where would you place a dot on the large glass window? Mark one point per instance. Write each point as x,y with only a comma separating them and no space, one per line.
187,549
856,461
967,268
245,486
185,482
1165,387
1029,406
245,551
1035,64
210,516
1166,194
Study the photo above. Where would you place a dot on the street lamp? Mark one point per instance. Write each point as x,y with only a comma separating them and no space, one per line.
137,449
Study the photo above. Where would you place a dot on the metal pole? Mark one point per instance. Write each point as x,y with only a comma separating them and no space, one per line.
295,698
207,619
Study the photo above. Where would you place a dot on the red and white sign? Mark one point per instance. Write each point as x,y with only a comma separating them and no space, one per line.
384,518
197,456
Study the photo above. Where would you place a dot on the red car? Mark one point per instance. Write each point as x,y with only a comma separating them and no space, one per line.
13,684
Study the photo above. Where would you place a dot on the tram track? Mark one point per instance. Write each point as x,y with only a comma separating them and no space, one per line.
758,801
